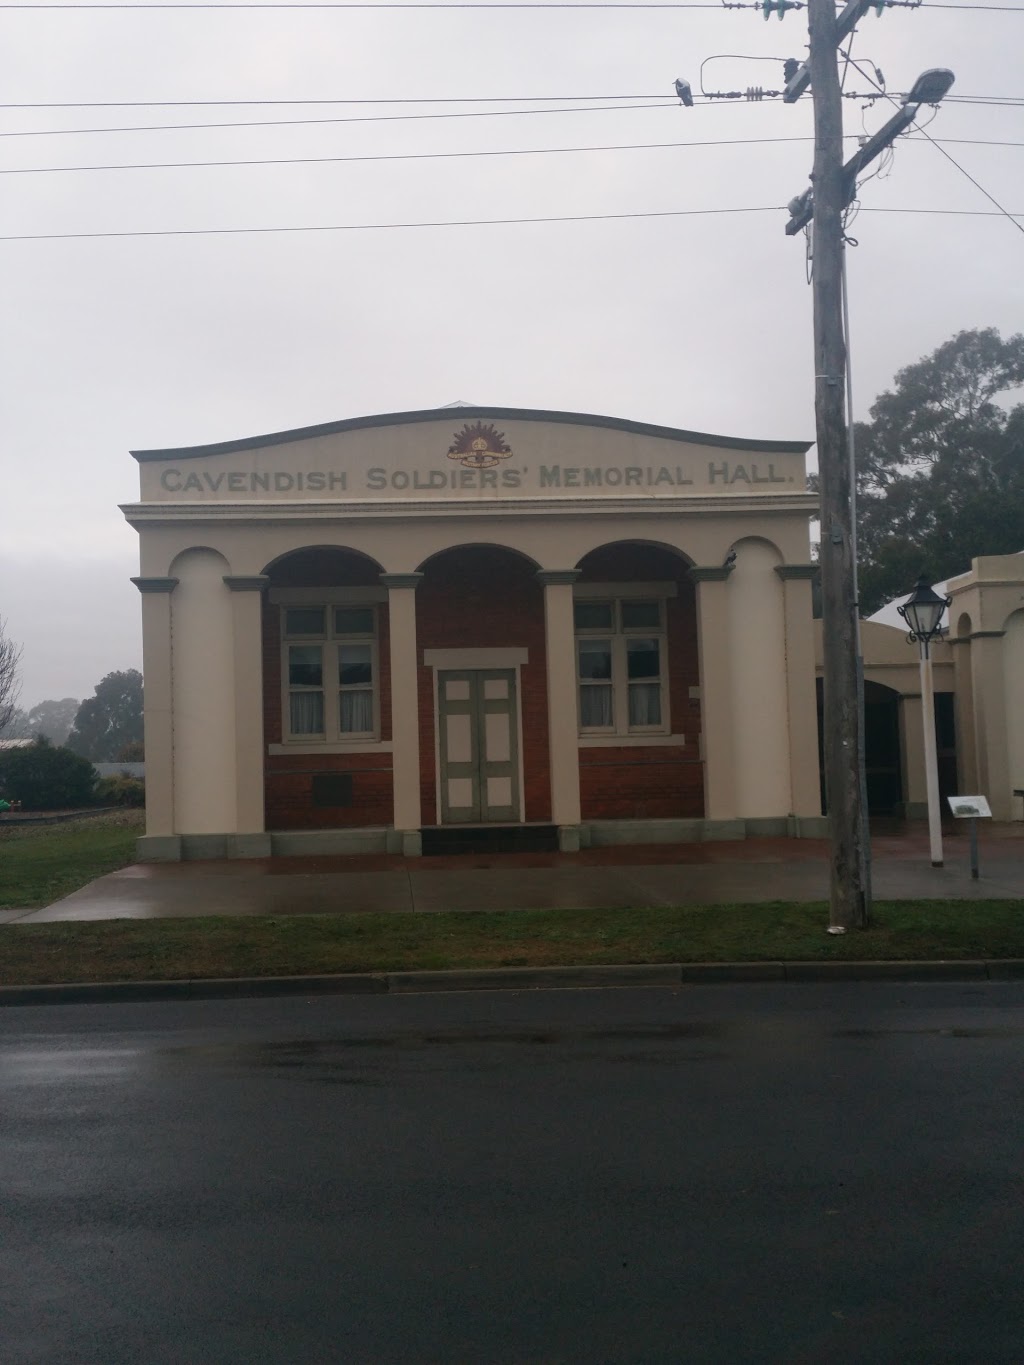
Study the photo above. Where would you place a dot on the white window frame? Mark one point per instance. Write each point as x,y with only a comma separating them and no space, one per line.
615,594
333,738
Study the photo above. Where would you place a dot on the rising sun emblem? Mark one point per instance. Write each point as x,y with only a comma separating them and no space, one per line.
479,446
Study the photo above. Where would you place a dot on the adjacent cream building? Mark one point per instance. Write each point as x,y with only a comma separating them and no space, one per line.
538,629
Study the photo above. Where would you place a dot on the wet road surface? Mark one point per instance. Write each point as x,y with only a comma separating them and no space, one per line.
757,1173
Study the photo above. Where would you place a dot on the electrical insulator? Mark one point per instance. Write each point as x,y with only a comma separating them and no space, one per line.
789,69
755,92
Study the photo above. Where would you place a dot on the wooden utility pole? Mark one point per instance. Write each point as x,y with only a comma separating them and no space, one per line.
839,608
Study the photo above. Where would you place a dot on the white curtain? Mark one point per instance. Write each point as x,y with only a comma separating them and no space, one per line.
356,713
595,707
645,704
307,713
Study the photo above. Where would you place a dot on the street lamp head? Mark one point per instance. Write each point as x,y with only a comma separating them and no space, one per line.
931,86
923,610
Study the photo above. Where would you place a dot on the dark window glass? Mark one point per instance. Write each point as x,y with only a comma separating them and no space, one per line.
353,621
305,668
595,658
643,658
304,621
592,615
355,665
641,615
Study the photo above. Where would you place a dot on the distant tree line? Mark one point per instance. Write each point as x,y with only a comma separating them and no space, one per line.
105,728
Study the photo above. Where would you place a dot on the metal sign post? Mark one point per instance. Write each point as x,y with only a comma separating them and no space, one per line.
971,808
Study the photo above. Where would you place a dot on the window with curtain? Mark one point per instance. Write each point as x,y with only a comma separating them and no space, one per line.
331,671
621,665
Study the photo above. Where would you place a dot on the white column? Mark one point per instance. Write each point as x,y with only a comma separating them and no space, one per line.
160,841
802,703
756,629
249,840
717,749
202,637
563,721
405,712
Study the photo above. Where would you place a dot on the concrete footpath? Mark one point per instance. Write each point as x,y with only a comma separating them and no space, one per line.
751,871
656,875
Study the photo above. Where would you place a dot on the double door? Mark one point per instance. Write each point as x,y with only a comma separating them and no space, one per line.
478,743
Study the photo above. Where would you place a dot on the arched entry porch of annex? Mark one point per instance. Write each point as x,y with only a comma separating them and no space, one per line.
885,757
636,676
326,673
482,688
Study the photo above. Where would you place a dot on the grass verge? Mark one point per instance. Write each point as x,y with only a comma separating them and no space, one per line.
175,949
41,863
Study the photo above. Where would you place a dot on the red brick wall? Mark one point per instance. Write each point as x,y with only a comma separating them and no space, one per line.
288,778
481,597
640,782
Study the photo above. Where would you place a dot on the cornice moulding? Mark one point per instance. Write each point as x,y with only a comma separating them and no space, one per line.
410,510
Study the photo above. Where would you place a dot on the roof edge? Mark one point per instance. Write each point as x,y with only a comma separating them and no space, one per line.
447,415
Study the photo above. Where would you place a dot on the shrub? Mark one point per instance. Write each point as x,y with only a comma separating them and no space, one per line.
43,777
121,790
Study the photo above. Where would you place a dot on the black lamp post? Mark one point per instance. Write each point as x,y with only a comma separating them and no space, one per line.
923,611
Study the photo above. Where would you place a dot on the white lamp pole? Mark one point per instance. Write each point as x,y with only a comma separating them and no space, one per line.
922,612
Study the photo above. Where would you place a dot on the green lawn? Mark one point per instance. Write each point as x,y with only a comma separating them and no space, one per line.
227,946
41,863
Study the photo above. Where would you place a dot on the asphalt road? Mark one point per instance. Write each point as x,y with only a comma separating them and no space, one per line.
723,1174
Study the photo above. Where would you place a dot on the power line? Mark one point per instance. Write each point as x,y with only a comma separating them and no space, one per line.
608,107
458,222
358,118
473,5
679,5
949,157
401,156
382,227
445,156
392,4
209,104
991,198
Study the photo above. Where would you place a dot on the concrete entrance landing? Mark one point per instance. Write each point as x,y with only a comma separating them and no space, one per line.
680,874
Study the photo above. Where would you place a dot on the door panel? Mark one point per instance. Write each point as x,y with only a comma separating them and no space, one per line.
477,729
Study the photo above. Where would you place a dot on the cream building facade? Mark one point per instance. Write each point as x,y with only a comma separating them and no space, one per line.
375,633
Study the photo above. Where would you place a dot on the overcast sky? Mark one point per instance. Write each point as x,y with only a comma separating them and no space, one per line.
696,322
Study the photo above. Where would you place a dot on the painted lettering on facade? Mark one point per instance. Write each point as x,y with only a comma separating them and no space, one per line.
631,476
253,481
727,473
380,481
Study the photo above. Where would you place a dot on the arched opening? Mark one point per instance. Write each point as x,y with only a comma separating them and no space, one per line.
326,691
963,682
882,750
638,684
1013,674
482,689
